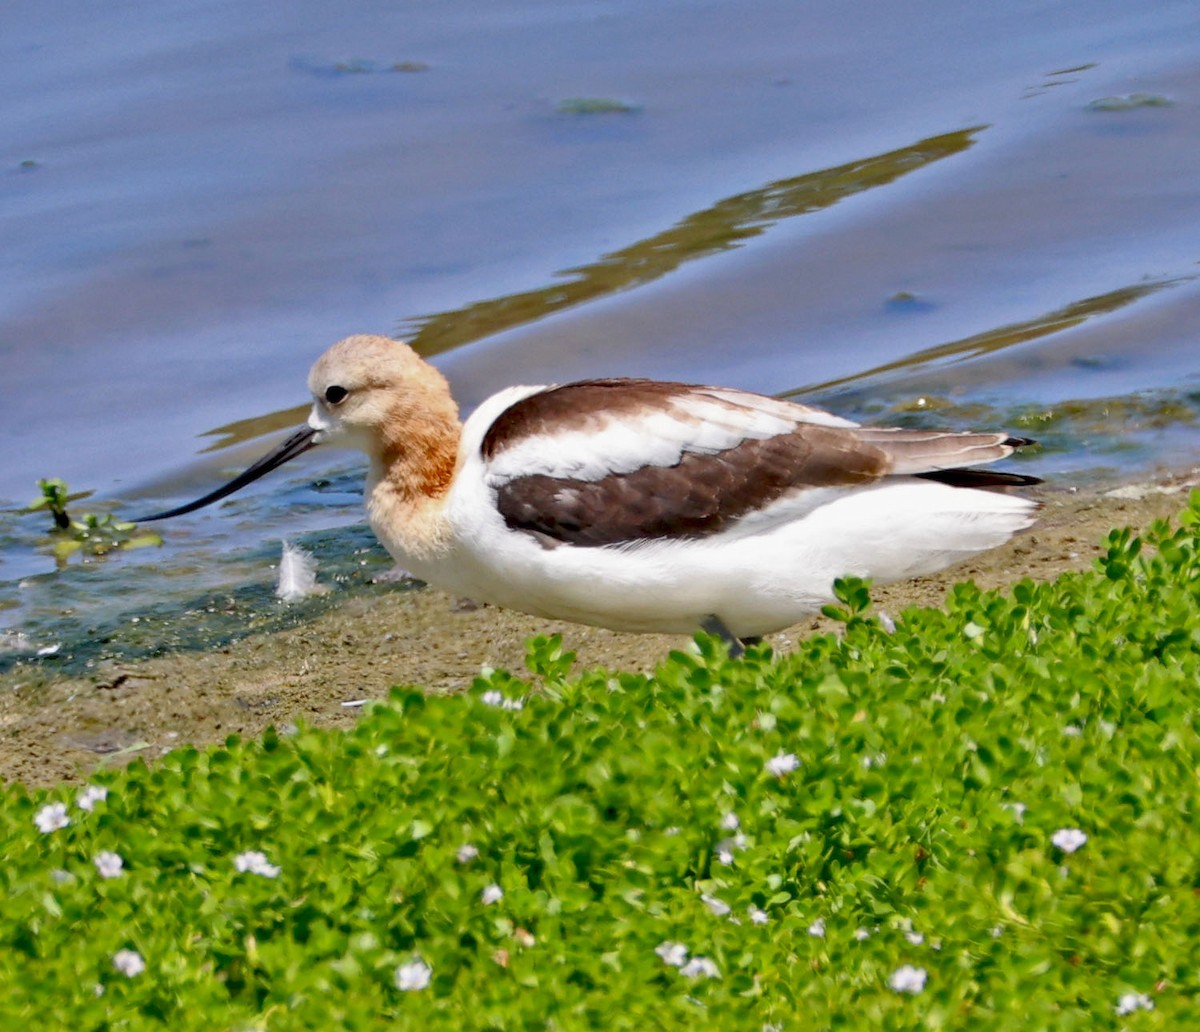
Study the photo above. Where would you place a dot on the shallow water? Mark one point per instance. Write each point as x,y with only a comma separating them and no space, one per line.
929,212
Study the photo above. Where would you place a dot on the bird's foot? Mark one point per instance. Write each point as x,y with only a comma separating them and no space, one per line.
713,624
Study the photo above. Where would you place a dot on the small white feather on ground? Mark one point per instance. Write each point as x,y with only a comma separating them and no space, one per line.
297,574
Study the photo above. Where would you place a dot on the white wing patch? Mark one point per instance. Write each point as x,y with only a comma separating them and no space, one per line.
485,415
790,411
703,421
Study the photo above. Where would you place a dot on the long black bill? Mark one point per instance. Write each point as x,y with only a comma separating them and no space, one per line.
297,444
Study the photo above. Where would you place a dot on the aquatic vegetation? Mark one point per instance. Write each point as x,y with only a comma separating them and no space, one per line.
1118,428
324,68
965,818
1129,101
596,106
90,534
54,499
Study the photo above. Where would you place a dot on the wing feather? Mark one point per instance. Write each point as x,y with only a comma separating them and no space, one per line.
605,462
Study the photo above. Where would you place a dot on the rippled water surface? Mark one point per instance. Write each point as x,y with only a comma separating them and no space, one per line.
934,212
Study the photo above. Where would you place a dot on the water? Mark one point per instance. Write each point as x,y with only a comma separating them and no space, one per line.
931,212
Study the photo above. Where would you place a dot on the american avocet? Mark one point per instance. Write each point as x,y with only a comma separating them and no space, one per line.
640,505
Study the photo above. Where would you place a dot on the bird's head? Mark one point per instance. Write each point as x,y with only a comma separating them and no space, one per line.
374,393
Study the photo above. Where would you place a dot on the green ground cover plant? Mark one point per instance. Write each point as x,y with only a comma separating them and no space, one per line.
980,817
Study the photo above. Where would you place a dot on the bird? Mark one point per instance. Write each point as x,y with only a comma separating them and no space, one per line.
646,505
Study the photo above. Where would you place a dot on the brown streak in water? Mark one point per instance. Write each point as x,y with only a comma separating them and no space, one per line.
242,430
719,228
723,226
991,341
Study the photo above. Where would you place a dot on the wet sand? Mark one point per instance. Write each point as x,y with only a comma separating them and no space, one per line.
53,730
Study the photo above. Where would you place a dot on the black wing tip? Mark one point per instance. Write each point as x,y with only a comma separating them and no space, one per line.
1022,480
980,478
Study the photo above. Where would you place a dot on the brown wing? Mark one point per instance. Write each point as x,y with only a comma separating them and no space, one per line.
760,451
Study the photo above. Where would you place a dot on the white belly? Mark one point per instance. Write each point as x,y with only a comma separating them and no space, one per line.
754,582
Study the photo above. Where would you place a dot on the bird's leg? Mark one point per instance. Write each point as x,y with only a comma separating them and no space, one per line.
713,624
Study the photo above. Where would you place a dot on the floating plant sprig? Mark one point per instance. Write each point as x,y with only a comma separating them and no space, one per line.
91,533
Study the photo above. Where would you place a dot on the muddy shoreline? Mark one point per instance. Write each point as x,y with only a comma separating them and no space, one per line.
56,728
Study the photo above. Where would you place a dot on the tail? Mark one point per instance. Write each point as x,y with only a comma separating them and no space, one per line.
913,526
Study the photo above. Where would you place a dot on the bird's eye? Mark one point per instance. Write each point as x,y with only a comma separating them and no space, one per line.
335,394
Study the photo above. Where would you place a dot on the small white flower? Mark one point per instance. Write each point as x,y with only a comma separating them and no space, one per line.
783,763
90,796
1072,731
1017,810
129,962
466,853
908,979
255,862
717,906
887,623
1068,839
51,817
916,938
491,894
109,864
817,928
413,976
861,934
672,953
1130,1002
726,848
758,916
700,967
730,822
493,697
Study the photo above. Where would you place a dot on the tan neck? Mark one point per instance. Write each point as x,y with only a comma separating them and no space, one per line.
407,485
418,457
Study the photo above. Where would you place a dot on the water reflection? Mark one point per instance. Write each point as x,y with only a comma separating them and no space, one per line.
724,225
721,227
991,341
